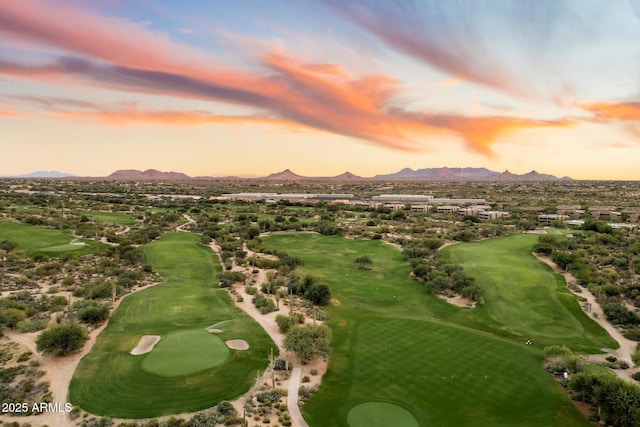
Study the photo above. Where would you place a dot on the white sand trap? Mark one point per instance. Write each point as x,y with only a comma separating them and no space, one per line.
146,344
237,344
214,330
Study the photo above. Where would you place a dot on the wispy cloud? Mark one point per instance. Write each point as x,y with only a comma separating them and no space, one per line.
128,57
622,111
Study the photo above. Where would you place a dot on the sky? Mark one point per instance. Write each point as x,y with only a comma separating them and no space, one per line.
249,87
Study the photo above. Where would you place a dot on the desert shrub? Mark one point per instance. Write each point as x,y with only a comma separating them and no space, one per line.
321,315
305,379
611,359
314,372
31,325
251,290
319,294
93,313
636,376
306,392
226,408
280,365
618,314
61,339
264,304
24,356
285,322
228,278
271,395
633,334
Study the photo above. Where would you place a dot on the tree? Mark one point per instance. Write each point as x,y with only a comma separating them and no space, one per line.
61,339
309,342
11,316
362,261
93,313
318,294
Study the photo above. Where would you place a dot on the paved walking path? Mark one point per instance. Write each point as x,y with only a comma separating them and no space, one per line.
292,399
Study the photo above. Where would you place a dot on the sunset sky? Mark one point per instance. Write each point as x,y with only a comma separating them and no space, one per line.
249,88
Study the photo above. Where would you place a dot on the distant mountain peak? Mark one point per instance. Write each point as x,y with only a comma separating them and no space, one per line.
149,174
468,174
46,174
285,175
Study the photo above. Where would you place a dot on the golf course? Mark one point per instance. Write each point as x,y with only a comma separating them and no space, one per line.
189,368
32,240
397,349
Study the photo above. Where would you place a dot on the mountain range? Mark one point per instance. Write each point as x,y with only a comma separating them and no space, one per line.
406,174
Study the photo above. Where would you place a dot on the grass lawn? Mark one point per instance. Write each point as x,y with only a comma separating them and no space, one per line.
111,382
395,343
115,218
32,240
524,294
188,347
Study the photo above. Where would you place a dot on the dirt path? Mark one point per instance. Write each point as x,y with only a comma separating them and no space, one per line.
58,371
627,346
183,227
268,323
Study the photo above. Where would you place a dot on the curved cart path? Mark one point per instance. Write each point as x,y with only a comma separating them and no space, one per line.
627,346
292,398
268,323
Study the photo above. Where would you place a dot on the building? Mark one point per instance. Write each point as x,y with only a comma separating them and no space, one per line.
549,218
402,198
488,215
448,209
472,210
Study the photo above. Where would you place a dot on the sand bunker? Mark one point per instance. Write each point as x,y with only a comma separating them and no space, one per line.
146,344
237,344
214,330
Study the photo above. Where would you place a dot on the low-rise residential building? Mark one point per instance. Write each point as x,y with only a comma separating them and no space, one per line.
549,218
488,215
472,210
447,209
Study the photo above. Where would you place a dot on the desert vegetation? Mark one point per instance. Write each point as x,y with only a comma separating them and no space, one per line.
343,282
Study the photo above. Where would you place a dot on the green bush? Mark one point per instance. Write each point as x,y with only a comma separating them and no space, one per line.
61,339
271,395
264,304
285,322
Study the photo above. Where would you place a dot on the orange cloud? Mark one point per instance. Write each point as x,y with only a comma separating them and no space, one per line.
623,111
121,55
134,115
481,132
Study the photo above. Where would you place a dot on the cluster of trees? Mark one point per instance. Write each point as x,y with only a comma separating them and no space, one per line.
309,342
310,288
617,401
603,260
440,275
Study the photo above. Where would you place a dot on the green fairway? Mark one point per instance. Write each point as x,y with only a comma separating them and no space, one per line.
395,343
185,352
523,293
110,381
114,218
32,240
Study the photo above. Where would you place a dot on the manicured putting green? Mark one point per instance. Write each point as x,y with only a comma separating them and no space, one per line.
185,352
380,414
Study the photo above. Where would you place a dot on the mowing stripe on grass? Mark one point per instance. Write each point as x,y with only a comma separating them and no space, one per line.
394,342
111,382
